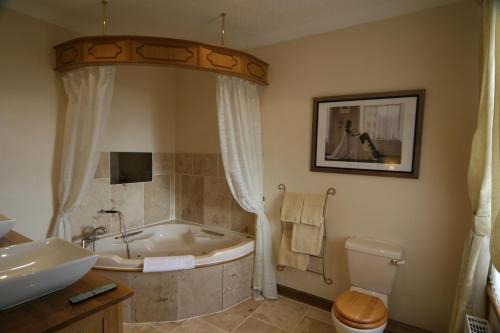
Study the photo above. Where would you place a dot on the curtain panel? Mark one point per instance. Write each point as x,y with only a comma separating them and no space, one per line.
483,181
89,91
238,109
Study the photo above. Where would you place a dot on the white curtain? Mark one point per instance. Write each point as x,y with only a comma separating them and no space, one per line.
382,122
238,108
483,182
89,91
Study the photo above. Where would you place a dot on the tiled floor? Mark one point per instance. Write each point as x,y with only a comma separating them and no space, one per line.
278,316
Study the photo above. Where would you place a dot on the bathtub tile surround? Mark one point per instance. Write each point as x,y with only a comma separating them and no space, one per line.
155,296
157,198
237,281
244,318
141,203
171,296
203,196
129,199
200,291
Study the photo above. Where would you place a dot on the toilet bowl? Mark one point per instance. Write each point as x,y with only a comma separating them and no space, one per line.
372,267
359,311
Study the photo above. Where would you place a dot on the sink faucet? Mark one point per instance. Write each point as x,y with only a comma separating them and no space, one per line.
123,227
91,237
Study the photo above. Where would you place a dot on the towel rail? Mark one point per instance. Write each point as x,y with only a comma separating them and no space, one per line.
330,192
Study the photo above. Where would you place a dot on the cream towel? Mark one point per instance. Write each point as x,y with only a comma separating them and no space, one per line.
307,239
291,208
288,258
312,211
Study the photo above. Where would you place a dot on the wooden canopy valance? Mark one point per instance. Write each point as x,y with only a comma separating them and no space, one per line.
113,50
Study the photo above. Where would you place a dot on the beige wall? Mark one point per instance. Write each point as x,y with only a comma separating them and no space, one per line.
436,50
143,110
196,118
31,101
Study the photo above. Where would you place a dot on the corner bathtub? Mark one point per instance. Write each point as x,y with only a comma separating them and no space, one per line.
222,276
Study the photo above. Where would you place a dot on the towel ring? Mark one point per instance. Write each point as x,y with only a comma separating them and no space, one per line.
330,192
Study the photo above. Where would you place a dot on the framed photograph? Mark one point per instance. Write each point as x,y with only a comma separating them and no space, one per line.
371,134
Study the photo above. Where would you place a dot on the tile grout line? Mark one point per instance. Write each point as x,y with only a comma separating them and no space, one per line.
250,316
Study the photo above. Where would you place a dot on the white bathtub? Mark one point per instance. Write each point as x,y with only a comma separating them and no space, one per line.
209,246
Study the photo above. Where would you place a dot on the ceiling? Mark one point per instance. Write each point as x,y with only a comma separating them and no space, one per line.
249,23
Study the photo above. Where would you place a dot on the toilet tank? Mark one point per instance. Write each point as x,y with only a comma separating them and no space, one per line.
369,262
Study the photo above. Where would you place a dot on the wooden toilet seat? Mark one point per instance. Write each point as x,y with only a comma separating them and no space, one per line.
360,310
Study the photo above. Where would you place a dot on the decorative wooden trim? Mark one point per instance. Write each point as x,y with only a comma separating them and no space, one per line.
393,326
117,50
492,299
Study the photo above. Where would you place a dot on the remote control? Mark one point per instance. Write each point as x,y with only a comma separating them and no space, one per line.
91,293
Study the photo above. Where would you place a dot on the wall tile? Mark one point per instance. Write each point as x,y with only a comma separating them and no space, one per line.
102,170
163,163
184,163
157,199
217,202
241,220
155,296
220,166
129,199
200,291
96,198
178,195
237,281
192,198
205,164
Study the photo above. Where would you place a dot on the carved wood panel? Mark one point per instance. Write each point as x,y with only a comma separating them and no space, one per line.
160,51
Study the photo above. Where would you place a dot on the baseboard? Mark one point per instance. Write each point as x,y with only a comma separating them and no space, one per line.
393,326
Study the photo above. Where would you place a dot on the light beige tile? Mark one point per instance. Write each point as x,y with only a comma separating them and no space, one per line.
163,164
197,325
237,281
217,200
241,220
155,296
150,327
231,318
309,325
220,166
184,163
102,170
192,200
205,164
157,199
200,291
178,196
85,216
282,313
252,325
321,315
129,199
123,278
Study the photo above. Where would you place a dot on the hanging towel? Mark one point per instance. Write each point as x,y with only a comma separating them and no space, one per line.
291,208
286,256
312,211
307,239
165,264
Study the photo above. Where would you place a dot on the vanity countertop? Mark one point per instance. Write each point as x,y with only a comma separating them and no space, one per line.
53,312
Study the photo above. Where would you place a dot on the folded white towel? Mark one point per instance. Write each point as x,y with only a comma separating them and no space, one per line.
291,207
312,212
165,264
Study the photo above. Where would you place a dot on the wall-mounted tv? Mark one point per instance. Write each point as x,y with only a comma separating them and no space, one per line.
131,167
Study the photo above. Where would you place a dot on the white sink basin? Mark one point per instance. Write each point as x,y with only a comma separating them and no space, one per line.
5,225
31,270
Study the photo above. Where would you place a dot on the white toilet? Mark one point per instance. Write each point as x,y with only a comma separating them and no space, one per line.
372,270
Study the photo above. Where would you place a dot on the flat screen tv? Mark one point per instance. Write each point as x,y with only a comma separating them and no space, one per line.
131,167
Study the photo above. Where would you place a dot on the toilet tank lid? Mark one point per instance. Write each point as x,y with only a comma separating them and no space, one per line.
374,246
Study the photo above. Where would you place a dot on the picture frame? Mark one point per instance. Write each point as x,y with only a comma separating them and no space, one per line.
378,134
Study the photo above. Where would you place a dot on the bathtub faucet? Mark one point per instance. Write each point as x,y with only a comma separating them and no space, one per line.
123,227
91,237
